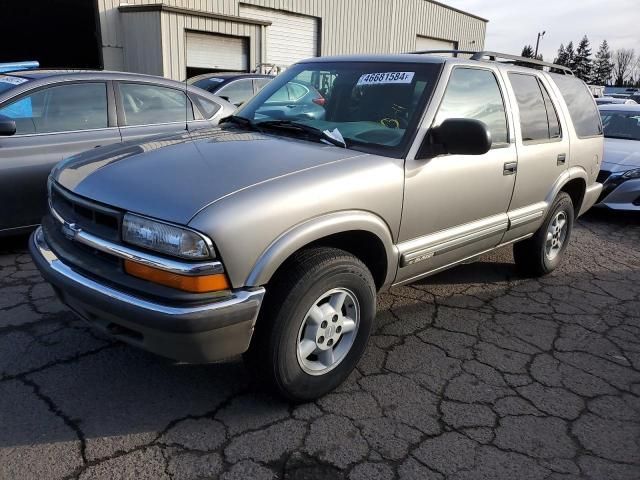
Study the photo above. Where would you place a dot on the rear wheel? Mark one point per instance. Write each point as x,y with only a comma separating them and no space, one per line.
543,252
314,325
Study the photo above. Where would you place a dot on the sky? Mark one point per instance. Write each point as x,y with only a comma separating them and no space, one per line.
516,23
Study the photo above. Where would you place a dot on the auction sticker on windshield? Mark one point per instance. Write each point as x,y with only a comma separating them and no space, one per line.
385,78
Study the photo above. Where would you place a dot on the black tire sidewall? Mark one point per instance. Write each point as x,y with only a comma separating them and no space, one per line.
292,380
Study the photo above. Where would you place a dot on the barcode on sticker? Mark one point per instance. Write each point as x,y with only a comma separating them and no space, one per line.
385,78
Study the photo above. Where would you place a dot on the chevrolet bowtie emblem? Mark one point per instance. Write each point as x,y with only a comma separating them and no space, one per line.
70,230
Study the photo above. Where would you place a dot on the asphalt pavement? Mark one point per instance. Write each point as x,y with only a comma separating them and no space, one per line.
475,373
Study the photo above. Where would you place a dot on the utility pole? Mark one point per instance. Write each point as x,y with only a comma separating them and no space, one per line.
540,35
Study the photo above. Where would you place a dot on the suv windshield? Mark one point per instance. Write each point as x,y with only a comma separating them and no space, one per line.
372,107
621,124
7,82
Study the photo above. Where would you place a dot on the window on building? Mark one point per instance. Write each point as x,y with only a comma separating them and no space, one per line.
474,93
151,104
62,108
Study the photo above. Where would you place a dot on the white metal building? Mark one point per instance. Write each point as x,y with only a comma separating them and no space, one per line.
179,38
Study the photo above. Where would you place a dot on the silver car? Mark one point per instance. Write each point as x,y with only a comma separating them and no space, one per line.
620,171
270,237
47,115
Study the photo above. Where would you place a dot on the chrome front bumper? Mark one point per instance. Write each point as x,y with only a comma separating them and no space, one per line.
201,333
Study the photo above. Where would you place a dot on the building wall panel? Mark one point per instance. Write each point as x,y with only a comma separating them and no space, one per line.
346,26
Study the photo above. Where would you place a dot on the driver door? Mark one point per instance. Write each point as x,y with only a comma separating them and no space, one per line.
455,206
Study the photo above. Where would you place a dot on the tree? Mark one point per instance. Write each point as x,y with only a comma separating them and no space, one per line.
561,59
570,56
624,62
603,65
527,52
582,60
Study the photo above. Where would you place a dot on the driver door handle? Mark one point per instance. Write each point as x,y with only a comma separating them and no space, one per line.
510,168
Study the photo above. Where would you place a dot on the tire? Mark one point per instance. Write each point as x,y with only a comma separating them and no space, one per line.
532,256
277,355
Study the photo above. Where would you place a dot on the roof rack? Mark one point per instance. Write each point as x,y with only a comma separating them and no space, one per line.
455,53
494,56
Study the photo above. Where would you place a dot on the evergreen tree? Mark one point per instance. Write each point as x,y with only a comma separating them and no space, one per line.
527,52
570,56
561,59
603,65
582,60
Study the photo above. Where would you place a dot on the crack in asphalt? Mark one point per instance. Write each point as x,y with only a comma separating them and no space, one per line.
474,373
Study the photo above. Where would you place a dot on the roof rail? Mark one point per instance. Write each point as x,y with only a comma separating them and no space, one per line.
455,53
524,61
494,56
17,66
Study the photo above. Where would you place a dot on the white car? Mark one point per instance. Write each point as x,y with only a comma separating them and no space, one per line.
620,170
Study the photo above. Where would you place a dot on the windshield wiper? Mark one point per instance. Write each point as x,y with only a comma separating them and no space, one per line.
327,136
240,121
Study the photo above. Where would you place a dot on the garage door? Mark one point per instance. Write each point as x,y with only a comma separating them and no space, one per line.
217,52
290,37
426,43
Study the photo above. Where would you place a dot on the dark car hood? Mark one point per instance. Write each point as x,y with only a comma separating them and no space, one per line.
173,177
620,155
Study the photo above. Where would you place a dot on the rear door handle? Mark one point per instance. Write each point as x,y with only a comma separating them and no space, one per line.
562,158
510,168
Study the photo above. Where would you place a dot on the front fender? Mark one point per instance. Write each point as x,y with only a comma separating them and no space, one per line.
315,229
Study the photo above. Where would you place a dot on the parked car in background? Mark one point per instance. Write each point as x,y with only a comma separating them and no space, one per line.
620,170
270,236
615,101
48,115
297,100
236,88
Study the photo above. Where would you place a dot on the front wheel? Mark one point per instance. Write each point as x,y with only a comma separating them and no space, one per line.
542,253
315,323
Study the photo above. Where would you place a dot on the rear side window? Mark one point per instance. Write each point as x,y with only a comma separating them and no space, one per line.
474,93
63,108
144,104
238,91
582,108
534,123
207,107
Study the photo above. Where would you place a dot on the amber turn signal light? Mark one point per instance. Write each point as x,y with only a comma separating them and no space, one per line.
193,284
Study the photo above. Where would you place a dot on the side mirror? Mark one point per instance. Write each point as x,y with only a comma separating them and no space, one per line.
7,126
457,136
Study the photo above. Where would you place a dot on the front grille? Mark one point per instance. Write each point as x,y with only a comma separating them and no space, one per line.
92,217
602,176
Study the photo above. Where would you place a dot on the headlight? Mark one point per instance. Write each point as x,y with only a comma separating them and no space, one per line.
631,174
164,238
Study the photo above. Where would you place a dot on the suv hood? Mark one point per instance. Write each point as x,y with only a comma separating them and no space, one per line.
173,177
620,155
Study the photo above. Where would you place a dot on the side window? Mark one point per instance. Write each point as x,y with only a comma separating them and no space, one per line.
150,104
206,106
296,91
555,131
474,93
63,108
534,123
582,108
237,92
260,83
